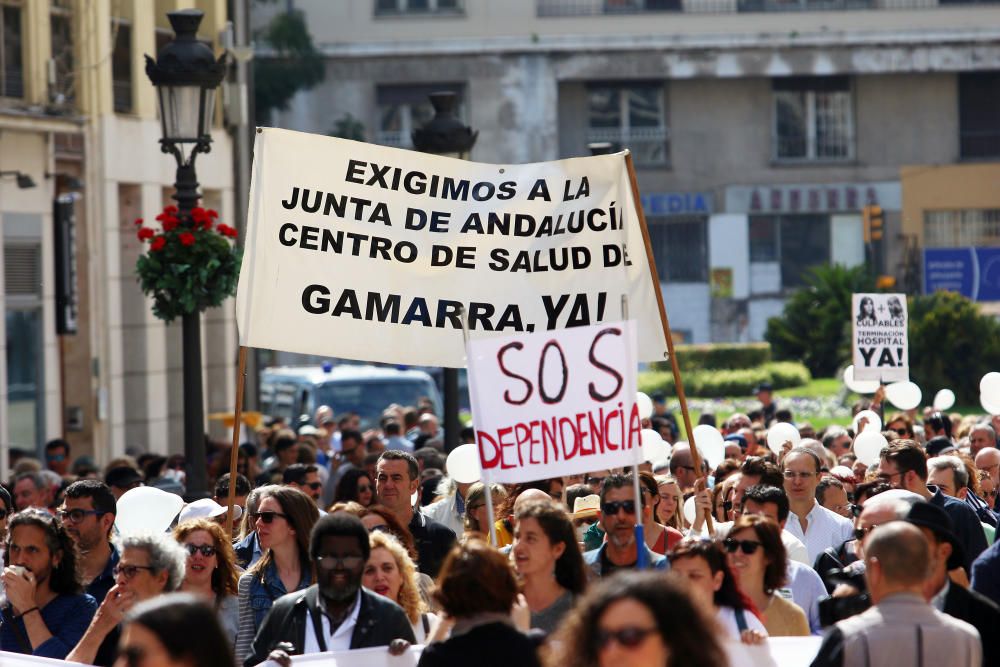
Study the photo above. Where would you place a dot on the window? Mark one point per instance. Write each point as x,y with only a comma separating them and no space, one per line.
121,66
61,26
797,242
390,7
979,114
11,75
629,116
680,248
962,229
403,109
812,118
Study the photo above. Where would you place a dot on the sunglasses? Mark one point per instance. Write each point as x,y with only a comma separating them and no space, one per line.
315,486
207,550
595,480
746,546
902,431
330,562
3,514
629,637
267,517
611,508
129,571
859,533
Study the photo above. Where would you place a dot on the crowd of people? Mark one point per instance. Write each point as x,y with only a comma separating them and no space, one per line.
349,539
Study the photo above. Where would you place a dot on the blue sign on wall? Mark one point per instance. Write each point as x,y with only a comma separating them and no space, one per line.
677,203
972,272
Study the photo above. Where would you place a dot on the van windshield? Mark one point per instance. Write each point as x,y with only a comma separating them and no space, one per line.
368,399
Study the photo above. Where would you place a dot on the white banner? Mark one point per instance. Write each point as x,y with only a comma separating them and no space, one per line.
879,341
362,657
366,252
555,403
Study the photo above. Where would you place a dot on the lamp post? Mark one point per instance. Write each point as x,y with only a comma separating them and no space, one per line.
446,135
186,74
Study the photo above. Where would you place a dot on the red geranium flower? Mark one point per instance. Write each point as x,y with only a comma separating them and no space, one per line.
170,223
170,209
158,243
187,238
145,233
212,213
138,221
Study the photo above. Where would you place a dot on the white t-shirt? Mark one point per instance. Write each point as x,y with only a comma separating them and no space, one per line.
727,619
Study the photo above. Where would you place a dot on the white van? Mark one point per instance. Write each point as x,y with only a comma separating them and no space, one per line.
293,391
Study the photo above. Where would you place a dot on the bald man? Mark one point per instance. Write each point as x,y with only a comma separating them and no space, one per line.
988,459
902,628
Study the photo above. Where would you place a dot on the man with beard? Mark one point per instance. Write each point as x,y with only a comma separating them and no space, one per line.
88,513
47,610
618,520
335,613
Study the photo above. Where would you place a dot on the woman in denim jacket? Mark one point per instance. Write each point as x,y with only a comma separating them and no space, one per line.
283,521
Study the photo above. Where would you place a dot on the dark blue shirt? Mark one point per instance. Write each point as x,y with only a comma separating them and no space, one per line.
968,529
986,573
67,618
99,587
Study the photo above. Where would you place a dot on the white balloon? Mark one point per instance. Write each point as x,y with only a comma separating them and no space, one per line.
689,510
463,464
904,395
147,509
859,386
868,445
645,405
990,407
711,445
944,399
654,447
991,379
781,433
874,421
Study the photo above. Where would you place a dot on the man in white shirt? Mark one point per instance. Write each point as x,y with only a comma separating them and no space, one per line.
817,527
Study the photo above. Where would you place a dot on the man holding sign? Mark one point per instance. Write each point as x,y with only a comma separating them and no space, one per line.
618,518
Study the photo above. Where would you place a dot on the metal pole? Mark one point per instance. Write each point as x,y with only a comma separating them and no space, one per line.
241,376
451,423
195,456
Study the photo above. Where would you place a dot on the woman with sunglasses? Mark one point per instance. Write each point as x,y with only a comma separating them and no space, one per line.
476,520
390,572
548,560
355,486
211,570
759,562
636,619
703,563
283,520
176,630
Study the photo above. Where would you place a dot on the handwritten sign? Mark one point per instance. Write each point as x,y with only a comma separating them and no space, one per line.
374,253
880,348
556,403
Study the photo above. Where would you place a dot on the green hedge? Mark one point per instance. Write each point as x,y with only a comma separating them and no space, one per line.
728,382
719,356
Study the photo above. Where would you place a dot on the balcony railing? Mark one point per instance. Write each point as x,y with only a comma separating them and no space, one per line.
566,8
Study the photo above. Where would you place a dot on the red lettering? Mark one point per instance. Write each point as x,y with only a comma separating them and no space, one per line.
522,435
613,446
484,461
634,428
583,435
597,430
504,445
549,434
563,423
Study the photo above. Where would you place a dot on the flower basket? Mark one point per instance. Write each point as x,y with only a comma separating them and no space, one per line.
191,264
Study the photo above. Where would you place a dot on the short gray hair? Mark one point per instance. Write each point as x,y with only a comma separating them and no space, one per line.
165,554
953,463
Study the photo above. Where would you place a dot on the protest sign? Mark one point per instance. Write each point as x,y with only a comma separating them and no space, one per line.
21,660
879,340
363,657
374,253
555,403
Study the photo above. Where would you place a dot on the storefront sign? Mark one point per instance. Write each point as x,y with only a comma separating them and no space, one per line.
677,203
972,272
812,198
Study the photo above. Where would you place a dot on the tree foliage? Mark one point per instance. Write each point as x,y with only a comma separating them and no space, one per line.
292,64
815,327
952,345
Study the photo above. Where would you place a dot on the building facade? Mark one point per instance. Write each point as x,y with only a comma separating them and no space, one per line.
83,357
760,128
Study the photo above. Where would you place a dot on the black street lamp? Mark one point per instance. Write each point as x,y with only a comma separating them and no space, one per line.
445,134
186,74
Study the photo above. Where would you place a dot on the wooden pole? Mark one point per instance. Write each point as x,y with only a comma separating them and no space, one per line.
241,376
695,457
